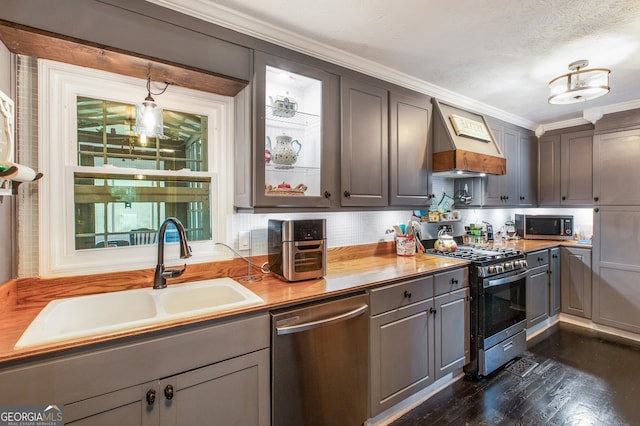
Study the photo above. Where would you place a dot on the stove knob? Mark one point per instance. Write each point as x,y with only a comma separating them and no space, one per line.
508,266
492,269
499,269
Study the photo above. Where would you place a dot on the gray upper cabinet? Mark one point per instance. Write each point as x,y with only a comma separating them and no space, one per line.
616,157
296,136
565,169
365,146
518,187
410,150
549,170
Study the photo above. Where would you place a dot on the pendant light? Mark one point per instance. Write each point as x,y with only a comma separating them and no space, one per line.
149,114
579,85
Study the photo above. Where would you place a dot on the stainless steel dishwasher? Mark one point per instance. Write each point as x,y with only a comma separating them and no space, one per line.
320,363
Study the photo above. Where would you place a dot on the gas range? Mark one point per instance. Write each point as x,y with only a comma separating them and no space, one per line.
487,261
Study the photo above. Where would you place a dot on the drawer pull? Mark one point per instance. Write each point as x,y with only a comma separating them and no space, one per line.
407,294
454,281
507,346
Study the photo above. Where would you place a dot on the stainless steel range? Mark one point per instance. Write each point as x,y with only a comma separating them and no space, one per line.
497,280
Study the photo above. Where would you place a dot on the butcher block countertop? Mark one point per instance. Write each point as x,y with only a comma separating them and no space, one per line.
349,269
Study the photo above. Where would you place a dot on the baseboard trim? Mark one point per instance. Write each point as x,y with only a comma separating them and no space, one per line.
393,413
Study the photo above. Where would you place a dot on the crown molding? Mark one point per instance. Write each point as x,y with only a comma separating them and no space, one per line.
245,24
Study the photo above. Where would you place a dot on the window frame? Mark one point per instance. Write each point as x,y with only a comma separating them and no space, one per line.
59,85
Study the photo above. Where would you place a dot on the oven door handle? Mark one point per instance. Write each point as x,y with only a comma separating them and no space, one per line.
506,280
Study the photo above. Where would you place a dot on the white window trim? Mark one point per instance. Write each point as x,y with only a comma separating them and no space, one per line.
58,86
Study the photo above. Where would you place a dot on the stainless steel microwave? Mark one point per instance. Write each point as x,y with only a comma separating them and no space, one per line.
544,227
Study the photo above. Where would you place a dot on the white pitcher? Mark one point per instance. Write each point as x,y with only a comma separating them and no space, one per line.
284,153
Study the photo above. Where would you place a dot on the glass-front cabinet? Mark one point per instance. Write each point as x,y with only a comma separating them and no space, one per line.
296,133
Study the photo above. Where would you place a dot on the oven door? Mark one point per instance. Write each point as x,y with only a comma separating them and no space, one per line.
502,308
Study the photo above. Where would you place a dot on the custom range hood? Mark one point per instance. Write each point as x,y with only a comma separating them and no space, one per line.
463,145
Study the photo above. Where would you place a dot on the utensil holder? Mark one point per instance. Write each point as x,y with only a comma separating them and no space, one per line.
406,246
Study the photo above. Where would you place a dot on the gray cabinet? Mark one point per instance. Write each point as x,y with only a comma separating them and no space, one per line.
615,168
365,144
616,267
616,220
565,169
296,134
518,187
452,332
228,391
409,150
417,338
554,281
537,282
401,344
576,281
221,368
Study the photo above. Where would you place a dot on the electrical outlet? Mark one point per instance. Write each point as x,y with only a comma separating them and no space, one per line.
244,240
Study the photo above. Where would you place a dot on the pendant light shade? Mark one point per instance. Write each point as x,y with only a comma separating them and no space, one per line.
580,85
149,115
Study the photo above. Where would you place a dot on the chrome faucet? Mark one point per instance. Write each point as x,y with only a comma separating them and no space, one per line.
161,274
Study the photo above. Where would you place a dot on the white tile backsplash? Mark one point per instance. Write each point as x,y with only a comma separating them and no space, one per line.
355,228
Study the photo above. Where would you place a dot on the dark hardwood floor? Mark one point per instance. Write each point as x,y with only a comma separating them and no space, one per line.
583,378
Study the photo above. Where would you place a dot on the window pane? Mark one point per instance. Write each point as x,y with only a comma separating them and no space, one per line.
115,209
106,135
126,209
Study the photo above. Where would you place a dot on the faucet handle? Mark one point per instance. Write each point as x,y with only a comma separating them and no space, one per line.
173,273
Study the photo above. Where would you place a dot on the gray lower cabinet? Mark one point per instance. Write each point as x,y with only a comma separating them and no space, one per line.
227,392
417,338
554,281
452,331
200,375
537,282
365,144
576,281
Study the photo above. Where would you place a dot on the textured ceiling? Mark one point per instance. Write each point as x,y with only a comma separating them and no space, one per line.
499,53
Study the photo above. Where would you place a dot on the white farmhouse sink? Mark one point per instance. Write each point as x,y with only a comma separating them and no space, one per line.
84,316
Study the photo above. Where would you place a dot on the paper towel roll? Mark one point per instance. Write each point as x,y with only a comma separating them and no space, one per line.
17,172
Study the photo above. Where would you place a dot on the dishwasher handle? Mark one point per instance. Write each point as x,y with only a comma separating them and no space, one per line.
319,323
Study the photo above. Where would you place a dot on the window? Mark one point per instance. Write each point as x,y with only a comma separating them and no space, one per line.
107,190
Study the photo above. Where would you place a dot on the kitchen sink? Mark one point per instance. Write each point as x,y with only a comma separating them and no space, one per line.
202,297
96,314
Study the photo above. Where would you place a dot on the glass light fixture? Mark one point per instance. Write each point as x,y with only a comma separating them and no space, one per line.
149,114
579,85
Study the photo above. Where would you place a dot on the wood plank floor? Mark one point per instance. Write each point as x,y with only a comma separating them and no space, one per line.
583,378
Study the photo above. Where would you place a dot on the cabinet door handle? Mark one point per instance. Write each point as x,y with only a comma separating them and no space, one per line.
596,210
564,198
433,311
347,194
327,194
596,199
151,396
407,294
168,392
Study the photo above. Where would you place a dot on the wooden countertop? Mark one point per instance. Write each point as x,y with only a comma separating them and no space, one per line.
349,269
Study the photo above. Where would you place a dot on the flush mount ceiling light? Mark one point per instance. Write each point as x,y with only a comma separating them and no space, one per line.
149,114
579,85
